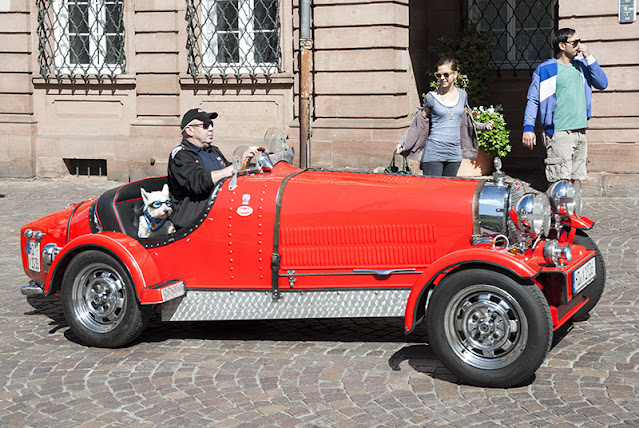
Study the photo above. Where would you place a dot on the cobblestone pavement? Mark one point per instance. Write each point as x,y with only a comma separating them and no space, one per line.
353,373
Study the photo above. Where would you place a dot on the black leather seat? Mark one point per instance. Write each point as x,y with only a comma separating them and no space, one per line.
119,209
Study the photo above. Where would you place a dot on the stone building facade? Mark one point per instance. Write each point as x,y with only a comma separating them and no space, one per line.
369,65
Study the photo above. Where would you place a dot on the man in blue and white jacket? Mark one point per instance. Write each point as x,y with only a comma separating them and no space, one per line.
561,90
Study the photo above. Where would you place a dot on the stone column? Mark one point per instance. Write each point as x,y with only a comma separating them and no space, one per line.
17,123
362,81
155,129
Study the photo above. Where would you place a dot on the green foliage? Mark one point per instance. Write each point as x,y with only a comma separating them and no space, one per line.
495,142
472,51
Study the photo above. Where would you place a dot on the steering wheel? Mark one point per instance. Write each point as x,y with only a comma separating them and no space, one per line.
247,159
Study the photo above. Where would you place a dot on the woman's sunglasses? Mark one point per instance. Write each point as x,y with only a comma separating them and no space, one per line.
158,204
439,75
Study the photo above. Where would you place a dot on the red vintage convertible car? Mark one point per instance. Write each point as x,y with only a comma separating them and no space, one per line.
491,270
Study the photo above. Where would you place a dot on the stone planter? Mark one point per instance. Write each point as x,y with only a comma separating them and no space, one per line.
480,166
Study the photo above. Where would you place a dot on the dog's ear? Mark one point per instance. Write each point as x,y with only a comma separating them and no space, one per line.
165,189
145,196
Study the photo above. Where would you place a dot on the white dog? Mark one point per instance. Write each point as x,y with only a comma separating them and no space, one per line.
155,219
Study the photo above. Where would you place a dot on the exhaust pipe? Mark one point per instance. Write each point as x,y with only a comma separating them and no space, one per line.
33,289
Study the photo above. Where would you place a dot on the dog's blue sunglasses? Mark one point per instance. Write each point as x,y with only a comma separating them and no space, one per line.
158,204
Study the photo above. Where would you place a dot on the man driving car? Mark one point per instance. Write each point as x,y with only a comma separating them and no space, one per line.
195,166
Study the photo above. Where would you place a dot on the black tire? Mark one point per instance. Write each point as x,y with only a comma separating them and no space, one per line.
488,329
99,301
595,289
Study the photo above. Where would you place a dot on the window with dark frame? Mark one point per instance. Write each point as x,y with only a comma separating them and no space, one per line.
233,38
523,30
81,38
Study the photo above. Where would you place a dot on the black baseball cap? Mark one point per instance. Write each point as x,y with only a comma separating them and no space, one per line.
196,113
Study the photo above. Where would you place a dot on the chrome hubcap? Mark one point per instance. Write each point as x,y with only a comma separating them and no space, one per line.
99,298
485,327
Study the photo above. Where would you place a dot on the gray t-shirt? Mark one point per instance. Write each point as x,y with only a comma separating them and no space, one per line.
443,139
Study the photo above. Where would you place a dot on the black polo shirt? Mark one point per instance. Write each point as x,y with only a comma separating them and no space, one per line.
190,183
212,157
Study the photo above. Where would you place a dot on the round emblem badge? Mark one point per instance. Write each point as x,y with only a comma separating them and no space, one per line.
244,210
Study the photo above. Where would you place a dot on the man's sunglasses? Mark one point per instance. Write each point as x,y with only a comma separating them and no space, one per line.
204,125
439,75
158,204
574,43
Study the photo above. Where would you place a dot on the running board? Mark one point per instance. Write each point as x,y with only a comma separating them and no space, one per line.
162,292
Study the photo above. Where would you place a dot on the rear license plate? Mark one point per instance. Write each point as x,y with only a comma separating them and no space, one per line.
583,276
33,257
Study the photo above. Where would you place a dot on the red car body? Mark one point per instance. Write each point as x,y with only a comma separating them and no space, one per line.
291,243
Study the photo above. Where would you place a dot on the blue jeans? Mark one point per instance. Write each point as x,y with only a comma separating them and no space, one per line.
440,169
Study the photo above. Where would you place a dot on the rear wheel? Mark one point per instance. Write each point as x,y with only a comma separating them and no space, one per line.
488,329
99,301
595,289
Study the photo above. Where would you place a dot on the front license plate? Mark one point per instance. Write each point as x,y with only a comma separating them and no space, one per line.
33,257
583,276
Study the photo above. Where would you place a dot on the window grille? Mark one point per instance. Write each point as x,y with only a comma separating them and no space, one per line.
233,38
80,38
523,30
88,167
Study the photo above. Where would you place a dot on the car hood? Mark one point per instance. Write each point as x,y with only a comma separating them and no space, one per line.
341,219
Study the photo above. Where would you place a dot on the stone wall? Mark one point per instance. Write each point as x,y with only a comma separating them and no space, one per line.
133,123
613,135
369,65
363,84
17,125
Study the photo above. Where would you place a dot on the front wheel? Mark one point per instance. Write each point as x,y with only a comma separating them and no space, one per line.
99,301
595,289
488,329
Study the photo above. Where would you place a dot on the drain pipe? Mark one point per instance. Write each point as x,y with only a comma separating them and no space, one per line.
306,45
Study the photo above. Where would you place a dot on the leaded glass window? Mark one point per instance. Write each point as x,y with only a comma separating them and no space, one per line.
523,30
233,37
81,37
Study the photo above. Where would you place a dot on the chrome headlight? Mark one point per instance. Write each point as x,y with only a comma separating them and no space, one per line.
493,205
49,253
566,198
532,214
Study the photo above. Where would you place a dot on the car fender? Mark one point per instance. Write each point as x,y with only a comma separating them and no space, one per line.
581,223
128,251
491,258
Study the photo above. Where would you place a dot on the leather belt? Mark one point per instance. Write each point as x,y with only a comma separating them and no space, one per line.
570,131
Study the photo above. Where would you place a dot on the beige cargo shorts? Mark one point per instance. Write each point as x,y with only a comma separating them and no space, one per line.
566,155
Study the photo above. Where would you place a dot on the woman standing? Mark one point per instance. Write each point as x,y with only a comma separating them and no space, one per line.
442,151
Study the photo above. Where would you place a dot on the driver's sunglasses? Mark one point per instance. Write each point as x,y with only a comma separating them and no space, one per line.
439,75
574,43
204,125
158,204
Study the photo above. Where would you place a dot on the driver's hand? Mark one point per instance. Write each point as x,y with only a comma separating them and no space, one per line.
250,152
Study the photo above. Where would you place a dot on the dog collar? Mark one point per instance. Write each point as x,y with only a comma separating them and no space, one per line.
154,223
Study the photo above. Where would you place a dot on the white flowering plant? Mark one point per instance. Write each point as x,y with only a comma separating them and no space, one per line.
495,142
